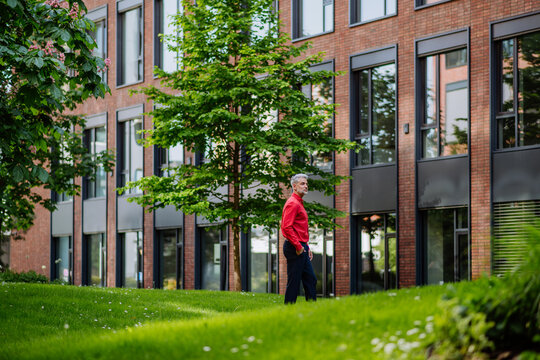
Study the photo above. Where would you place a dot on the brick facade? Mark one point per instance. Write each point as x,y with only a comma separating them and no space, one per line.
401,30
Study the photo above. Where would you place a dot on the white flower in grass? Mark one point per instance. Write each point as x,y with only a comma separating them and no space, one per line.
417,298
352,322
392,294
412,331
245,346
259,341
234,350
429,319
206,348
251,338
66,326
342,347
417,323
375,341
422,336
389,348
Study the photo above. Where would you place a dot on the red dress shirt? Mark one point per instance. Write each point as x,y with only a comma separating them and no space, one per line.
294,221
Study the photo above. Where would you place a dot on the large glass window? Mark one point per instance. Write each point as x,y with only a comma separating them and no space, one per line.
96,142
166,59
518,108
171,259
263,262
100,37
312,17
321,243
377,246
97,259
446,241
130,157
63,259
428,2
170,158
322,93
445,97
366,10
132,259
376,120
214,256
130,46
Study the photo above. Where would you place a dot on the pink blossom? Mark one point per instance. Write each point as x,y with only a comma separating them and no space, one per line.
108,62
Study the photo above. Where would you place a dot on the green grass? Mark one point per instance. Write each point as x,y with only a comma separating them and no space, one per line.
68,322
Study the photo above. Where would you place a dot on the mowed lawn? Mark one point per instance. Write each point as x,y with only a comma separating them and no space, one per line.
70,322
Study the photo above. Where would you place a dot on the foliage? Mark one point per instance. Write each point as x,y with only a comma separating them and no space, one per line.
237,72
25,277
496,315
46,68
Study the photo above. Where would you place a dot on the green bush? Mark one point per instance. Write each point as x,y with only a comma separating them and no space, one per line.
498,315
27,277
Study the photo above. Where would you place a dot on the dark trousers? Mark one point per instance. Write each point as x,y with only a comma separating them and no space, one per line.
299,268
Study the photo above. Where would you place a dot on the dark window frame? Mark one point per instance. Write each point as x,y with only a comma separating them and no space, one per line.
180,260
353,13
90,186
123,7
54,253
269,287
438,45
296,21
501,30
159,45
418,4
121,260
87,273
124,116
98,15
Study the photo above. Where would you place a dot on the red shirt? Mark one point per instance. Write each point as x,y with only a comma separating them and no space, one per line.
294,221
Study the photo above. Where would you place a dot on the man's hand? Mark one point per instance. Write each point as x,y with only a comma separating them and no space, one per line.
298,252
310,255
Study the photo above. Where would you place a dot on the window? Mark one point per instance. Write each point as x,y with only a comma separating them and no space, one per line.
130,152
446,245
445,100
366,10
214,254
97,259
321,243
322,94
518,84
63,259
132,259
130,46
428,2
171,259
376,114
100,36
170,159
96,142
165,58
377,258
312,17
263,261
509,233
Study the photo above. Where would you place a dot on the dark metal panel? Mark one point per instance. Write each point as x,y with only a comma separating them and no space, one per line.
319,197
129,112
443,42
97,13
96,120
124,5
374,189
129,215
326,66
516,175
94,216
62,219
516,26
372,58
168,217
443,182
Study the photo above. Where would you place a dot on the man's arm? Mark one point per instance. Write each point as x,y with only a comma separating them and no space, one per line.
289,214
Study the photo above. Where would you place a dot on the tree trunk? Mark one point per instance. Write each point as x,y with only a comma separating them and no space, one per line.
235,227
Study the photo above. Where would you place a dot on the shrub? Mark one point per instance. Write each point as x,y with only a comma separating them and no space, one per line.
27,277
499,315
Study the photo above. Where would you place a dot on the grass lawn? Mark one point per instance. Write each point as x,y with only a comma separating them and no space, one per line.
69,322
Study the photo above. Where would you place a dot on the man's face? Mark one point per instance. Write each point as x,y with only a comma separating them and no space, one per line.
301,187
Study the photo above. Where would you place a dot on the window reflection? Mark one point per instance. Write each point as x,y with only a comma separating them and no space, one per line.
213,259
263,260
131,154
132,257
315,16
376,115
518,82
372,9
62,258
131,46
97,259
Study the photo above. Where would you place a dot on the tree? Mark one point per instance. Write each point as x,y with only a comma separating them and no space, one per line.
46,69
237,71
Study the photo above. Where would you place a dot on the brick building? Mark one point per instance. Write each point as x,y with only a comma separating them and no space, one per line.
441,93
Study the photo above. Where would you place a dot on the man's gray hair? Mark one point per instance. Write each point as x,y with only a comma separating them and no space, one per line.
297,177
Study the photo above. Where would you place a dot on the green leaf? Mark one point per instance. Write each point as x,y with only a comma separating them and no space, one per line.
43,175
65,35
38,62
12,3
18,173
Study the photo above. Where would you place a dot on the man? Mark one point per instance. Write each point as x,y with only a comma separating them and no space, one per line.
294,227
